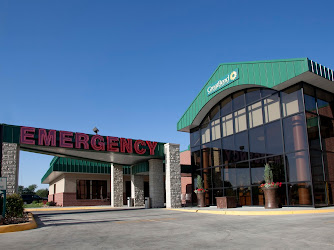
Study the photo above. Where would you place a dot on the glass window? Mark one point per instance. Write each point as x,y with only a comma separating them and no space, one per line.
300,194
271,108
298,166
228,149
316,166
214,114
244,196
99,189
241,146
253,95
217,177
277,165
292,101
206,159
83,189
295,133
313,131
257,170
273,136
216,153
257,142
227,125
327,133
215,129
196,159
229,190
217,193
255,116
257,196
226,106
319,192
267,92
195,138
230,178
207,181
238,100
309,96
330,192
325,103
329,166
240,123
242,174
310,104
205,132
281,194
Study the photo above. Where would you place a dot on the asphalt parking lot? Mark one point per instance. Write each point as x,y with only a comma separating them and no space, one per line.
166,229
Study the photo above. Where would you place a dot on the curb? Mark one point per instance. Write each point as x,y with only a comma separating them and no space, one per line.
255,212
68,208
19,227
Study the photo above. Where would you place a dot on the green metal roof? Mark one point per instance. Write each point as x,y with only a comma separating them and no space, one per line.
262,73
140,167
69,165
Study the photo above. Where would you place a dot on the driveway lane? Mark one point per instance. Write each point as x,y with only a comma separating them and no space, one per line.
165,229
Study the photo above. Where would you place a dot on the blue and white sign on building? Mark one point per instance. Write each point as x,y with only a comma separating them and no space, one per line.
3,183
224,81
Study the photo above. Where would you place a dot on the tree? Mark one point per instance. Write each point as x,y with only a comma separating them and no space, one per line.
32,188
20,189
42,192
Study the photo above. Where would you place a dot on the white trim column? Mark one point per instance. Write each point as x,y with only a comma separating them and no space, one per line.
173,175
156,182
116,185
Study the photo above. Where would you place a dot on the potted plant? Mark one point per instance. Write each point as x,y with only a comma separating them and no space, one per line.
200,192
270,188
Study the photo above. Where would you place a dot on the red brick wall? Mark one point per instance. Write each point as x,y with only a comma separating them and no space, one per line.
184,182
185,158
69,199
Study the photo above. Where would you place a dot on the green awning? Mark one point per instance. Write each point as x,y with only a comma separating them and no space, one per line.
69,165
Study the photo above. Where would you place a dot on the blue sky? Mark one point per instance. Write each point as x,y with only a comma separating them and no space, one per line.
132,68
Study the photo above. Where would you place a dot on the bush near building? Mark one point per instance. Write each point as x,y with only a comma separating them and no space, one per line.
14,206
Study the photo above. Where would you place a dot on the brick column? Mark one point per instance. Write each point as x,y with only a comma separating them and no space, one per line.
137,190
116,188
156,183
10,165
173,175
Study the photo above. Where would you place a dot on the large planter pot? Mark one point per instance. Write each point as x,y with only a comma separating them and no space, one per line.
270,197
201,199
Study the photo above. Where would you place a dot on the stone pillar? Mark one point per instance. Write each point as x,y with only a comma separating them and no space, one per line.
116,188
156,183
10,165
173,175
137,190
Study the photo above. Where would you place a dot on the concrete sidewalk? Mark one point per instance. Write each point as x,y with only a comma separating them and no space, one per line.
245,210
251,210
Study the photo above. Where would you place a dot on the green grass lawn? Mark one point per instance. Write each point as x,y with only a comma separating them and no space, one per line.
33,205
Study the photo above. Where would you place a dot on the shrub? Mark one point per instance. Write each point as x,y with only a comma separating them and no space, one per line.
14,206
51,203
1,204
35,202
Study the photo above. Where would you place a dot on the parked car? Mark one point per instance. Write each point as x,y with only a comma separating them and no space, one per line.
29,198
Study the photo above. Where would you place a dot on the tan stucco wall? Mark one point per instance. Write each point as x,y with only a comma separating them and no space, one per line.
70,185
60,185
